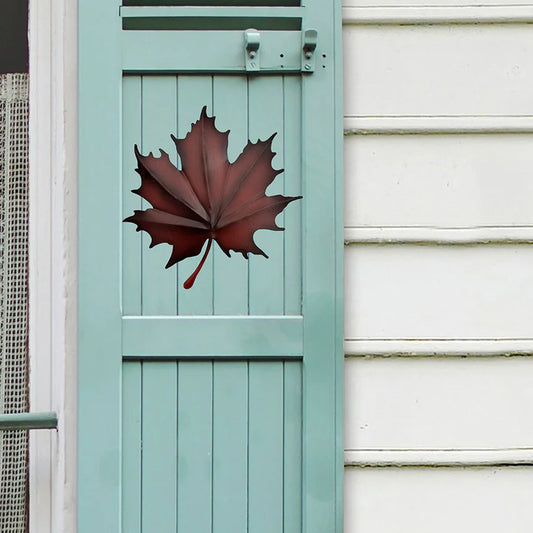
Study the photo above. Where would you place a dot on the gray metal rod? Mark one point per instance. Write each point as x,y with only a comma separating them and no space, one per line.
28,421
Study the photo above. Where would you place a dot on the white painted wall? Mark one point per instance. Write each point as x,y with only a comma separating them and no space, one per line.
438,266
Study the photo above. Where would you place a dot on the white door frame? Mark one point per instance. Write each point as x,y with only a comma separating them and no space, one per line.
52,261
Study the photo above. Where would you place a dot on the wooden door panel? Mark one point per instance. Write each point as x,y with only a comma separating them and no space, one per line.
212,444
251,108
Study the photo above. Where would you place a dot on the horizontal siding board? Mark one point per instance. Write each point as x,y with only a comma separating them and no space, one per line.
418,500
435,124
414,70
396,180
439,457
438,347
438,292
437,14
440,235
438,403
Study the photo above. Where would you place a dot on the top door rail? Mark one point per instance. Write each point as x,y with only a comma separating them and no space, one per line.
128,12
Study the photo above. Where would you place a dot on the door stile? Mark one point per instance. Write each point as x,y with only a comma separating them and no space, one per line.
99,349
320,299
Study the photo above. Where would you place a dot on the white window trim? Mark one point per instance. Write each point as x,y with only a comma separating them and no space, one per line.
52,261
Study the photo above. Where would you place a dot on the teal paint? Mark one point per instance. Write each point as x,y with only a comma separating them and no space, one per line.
159,447
46,420
216,408
131,455
230,448
158,105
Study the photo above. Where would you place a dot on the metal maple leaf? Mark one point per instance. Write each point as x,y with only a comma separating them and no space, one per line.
209,198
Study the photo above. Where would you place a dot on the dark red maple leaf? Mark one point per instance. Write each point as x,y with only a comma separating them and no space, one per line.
209,198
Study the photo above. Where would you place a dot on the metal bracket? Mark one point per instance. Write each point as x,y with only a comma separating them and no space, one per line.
252,40
309,41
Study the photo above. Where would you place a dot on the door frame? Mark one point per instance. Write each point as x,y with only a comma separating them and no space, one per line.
52,261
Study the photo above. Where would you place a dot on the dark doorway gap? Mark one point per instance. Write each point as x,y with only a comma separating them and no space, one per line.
13,36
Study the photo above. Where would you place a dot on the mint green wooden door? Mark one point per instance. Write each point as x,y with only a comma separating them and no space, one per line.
218,408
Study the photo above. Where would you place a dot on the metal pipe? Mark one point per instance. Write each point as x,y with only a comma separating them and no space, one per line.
47,420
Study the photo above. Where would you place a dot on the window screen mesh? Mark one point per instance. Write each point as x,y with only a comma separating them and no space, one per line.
13,296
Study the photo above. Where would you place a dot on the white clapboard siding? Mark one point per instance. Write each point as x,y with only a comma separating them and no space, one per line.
448,181
438,70
437,14
438,117
434,292
437,403
443,500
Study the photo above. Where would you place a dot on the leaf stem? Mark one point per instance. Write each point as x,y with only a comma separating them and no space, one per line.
191,279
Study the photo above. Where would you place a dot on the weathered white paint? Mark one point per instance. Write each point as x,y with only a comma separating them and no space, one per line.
439,347
438,292
397,180
431,124
439,457
52,284
438,500
436,403
435,14
439,235
438,70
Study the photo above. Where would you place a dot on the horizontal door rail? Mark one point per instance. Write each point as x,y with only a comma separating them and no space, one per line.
164,51
46,420
208,11
220,337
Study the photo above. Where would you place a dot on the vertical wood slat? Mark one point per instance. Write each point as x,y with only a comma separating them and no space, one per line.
131,451
195,404
230,441
265,448
292,237
230,275
159,121
265,106
159,452
131,239
292,446
194,92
